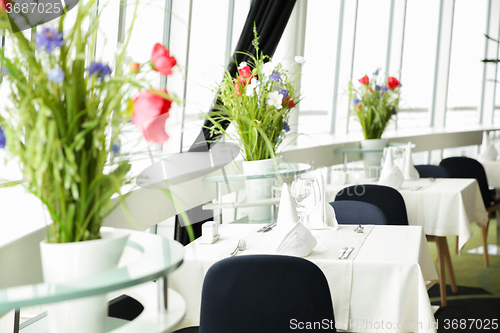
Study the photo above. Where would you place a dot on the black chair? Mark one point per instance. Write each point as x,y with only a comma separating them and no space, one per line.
431,171
388,199
264,293
465,167
357,212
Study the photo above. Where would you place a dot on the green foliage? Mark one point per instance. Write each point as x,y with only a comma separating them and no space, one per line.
260,126
63,132
374,105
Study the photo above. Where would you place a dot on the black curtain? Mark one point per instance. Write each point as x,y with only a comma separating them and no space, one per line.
270,17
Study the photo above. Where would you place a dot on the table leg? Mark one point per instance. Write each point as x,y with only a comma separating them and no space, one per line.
219,201
441,271
17,320
449,265
162,287
484,239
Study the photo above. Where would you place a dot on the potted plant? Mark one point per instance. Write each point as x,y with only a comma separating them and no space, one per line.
257,102
375,102
66,112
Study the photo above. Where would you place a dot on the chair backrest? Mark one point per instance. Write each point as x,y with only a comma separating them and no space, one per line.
357,212
263,293
432,171
465,167
388,199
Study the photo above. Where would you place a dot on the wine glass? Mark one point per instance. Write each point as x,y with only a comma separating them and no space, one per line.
307,195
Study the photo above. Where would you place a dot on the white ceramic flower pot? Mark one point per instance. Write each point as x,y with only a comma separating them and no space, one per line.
259,189
372,160
64,262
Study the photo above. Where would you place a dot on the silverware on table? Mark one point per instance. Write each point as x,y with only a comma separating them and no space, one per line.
242,245
341,252
347,253
416,188
267,227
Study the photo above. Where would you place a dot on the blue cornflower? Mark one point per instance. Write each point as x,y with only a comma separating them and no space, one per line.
383,89
2,138
56,75
375,73
4,71
283,91
393,111
356,101
377,87
286,128
99,69
49,39
115,148
275,76
277,139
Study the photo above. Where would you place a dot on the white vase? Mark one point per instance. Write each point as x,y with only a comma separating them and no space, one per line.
63,262
372,160
259,189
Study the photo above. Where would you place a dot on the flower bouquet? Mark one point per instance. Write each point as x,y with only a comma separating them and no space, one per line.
375,103
257,103
66,112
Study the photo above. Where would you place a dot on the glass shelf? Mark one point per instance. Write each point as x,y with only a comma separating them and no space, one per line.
159,256
284,170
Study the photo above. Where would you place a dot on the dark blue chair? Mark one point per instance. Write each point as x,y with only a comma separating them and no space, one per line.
357,212
263,293
465,167
431,171
388,199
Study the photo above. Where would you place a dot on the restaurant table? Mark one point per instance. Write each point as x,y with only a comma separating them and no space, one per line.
387,275
492,169
443,207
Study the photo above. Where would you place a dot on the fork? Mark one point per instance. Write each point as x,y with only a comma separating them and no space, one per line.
242,245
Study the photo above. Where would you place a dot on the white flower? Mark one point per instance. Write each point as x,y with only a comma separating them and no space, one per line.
300,60
242,64
253,87
268,68
275,99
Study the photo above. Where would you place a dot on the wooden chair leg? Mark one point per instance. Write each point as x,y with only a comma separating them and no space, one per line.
449,265
456,245
484,238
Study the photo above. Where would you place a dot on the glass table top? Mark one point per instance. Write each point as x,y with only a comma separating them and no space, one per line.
158,257
284,170
361,150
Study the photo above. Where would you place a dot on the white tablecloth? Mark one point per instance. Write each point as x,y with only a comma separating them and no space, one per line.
492,169
390,276
444,207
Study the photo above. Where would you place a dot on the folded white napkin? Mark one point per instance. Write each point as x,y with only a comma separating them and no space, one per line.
323,217
298,241
487,151
287,214
408,169
390,174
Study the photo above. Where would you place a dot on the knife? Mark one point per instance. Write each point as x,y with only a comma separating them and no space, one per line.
270,227
267,226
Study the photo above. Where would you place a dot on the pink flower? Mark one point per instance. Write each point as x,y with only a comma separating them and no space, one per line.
392,82
245,71
364,80
240,83
150,114
162,61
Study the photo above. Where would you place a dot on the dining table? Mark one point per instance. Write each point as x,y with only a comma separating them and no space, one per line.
381,286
